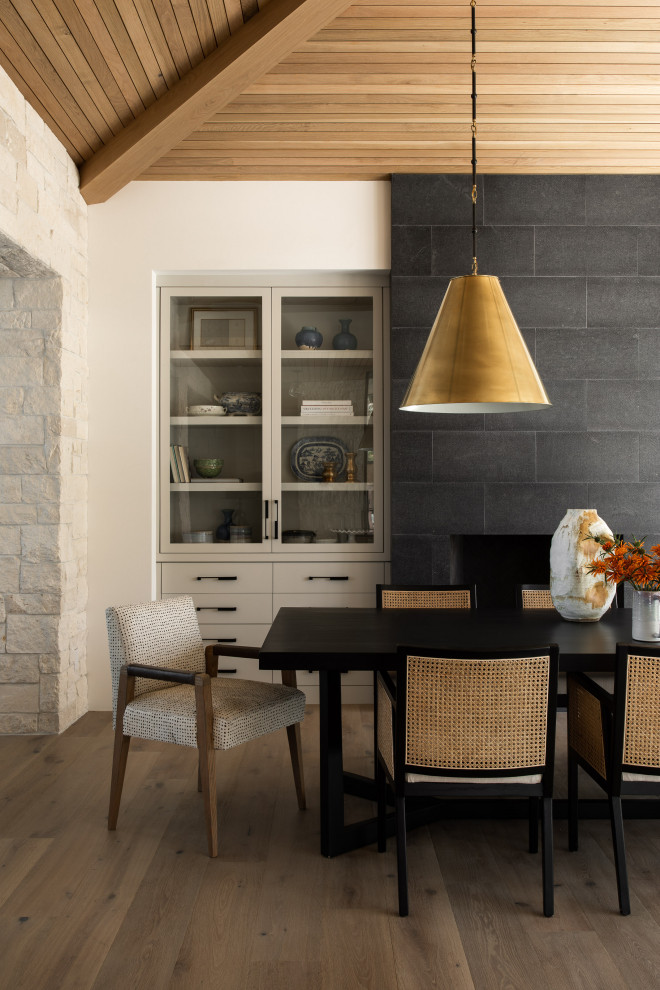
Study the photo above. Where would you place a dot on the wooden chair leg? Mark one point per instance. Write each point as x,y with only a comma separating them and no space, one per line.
204,710
289,677
616,818
295,749
401,856
547,859
572,803
125,694
533,812
381,794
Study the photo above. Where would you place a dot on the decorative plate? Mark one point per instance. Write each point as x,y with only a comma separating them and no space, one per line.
309,454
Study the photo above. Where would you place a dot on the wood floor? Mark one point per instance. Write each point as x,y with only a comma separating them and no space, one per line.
144,906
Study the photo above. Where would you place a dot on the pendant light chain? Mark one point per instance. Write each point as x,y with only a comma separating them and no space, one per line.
473,64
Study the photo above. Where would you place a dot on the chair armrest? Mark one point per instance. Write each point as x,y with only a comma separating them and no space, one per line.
230,650
159,673
590,713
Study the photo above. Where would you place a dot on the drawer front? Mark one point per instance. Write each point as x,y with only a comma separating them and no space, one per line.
354,678
243,668
221,578
241,635
327,577
346,600
235,609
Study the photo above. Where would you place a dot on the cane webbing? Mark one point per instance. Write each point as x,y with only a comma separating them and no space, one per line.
536,598
385,738
585,727
428,598
484,714
641,742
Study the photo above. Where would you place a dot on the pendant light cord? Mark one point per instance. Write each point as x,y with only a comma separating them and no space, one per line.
473,5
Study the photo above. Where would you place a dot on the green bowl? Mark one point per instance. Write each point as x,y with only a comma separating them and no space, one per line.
208,467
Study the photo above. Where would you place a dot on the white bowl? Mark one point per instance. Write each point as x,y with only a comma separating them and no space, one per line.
200,536
206,411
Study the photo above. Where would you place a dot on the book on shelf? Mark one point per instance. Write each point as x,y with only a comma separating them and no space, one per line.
326,411
327,402
174,466
182,463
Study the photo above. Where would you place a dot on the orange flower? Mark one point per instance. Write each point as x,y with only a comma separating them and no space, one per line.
621,560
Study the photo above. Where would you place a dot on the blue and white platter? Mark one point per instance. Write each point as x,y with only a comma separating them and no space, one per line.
309,454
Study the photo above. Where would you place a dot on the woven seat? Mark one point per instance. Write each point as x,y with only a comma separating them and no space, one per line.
466,723
615,738
166,688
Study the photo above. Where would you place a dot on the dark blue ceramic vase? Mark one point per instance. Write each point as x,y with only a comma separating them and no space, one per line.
344,340
309,339
222,532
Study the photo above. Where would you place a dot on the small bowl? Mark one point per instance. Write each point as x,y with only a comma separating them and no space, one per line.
297,536
199,536
206,411
208,467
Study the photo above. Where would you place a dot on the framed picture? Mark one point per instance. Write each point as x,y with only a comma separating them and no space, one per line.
231,328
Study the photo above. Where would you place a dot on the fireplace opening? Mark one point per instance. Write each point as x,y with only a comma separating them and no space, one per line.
496,564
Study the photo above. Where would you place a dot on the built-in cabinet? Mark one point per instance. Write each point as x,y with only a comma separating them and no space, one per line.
296,512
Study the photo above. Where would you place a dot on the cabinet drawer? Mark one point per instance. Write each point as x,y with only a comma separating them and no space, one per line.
311,578
353,678
204,578
240,635
243,667
347,600
232,608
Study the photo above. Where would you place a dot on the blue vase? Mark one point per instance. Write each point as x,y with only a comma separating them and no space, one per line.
308,339
344,340
222,532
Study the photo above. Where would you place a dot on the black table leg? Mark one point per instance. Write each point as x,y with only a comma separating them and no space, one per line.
332,766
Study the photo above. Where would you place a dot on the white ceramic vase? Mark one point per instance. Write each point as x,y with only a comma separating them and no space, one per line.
577,595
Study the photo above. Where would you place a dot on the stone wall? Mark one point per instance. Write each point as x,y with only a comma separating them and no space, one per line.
578,257
43,425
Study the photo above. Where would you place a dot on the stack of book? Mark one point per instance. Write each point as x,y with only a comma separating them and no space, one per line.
179,464
326,407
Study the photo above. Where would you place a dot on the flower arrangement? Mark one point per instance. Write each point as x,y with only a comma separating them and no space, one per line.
621,560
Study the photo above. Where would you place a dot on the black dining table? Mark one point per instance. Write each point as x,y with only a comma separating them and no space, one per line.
336,640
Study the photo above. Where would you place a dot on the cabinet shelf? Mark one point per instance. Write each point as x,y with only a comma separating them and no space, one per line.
325,420
327,486
216,486
216,356
318,359
215,420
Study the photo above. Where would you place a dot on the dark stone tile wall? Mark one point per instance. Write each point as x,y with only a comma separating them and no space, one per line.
579,261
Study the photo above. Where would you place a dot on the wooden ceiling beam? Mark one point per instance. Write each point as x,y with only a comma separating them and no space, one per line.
265,40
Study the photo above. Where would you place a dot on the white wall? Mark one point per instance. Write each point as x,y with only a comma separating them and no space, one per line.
154,227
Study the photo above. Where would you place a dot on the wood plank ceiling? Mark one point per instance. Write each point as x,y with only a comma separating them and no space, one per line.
383,87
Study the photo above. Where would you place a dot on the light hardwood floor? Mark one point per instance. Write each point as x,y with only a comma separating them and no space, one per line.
145,907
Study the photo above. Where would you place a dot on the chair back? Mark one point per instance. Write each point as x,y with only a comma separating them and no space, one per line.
426,596
533,596
159,634
476,713
637,714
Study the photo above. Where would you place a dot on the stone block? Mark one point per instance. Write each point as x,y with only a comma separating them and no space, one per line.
24,342
32,633
16,725
484,456
648,250
441,560
45,543
21,429
623,302
530,508
10,540
412,456
633,509
6,284
649,457
50,723
416,300
23,460
10,574
10,490
599,354
437,509
547,302
11,400
500,250
623,405
36,604
434,199
406,346
50,692
19,698
622,199
20,370
578,250
534,199
15,319
411,250
50,663
28,189
39,577
46,488
412,560
41,293
587,457
567,412
17,515
19,668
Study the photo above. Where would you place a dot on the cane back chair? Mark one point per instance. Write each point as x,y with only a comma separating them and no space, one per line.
538,596
426,596
165,687
469,724
615,737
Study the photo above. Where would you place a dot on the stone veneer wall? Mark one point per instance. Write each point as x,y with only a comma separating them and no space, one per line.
43,425
579,261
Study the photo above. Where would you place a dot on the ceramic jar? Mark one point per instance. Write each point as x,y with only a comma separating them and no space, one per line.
344,340
577,595
308,339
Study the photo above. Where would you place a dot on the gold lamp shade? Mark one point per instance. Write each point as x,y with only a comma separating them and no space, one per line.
475,360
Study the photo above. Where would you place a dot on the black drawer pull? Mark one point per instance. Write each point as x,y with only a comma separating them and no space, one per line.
213,608
212,577
227,670
328,577
228,640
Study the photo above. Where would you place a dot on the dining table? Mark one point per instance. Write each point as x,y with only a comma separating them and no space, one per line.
337,640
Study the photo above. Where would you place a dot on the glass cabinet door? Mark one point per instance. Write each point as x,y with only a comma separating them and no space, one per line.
215,403
327,425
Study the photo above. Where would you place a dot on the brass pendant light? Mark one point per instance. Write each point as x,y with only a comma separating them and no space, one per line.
475,359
